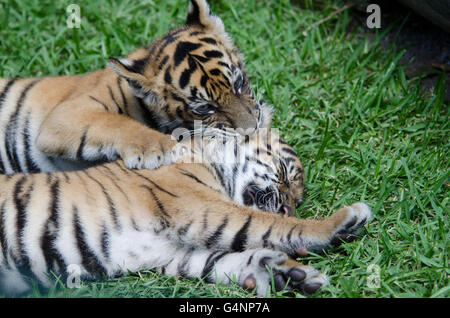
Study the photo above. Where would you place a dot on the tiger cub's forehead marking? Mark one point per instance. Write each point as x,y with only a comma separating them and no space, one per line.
203,46
200,58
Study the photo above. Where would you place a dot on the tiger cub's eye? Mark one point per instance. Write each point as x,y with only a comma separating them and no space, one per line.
204,109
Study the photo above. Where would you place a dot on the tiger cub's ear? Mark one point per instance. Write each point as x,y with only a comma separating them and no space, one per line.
129,69
200,14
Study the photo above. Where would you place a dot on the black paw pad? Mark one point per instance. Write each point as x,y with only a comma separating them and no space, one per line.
296,275
279,281
311,288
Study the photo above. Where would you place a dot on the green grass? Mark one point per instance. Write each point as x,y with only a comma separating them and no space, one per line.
363,131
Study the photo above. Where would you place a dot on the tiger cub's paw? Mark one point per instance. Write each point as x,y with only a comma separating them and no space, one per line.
150,154
287,274
353,217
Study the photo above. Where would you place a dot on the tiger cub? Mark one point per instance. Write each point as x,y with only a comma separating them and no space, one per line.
196,220
128,110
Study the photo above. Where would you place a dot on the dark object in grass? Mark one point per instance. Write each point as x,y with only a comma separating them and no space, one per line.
436,11
427,46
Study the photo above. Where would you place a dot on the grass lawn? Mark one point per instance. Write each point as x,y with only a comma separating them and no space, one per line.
363,131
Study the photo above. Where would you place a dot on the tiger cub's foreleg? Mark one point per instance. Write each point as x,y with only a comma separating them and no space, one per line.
250,269
83,130
237,228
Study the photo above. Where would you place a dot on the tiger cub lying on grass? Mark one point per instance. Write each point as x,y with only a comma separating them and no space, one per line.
189,219
128,110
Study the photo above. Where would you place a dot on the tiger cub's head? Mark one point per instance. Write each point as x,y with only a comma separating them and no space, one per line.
193,73
272,179
261,170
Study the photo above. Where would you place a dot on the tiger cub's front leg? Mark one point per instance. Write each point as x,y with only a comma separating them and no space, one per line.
82,130
261,270
237,228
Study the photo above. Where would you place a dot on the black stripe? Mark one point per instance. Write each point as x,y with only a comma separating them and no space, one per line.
137,66
215,72
111,173
163,43
5,91
111,94
266,236
233,180
135,225
105,242
180,99
14,165
213,54
212,259
21,199
101,103
219,174
88,258
200,58
148,116
185,77
3,96
290,151
208,40
163,216
250,259
51,228
112,207
206,212
167,76
183,265
289,235
226,84
215,237
3,238
153,183
182,51
247,159
115,183
180,115
66,176
119,164
223,64
124,100
193,96
240,239
10,132
262,163
163,62
190,175
79,154
183,230
203,81
157,200
30,165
